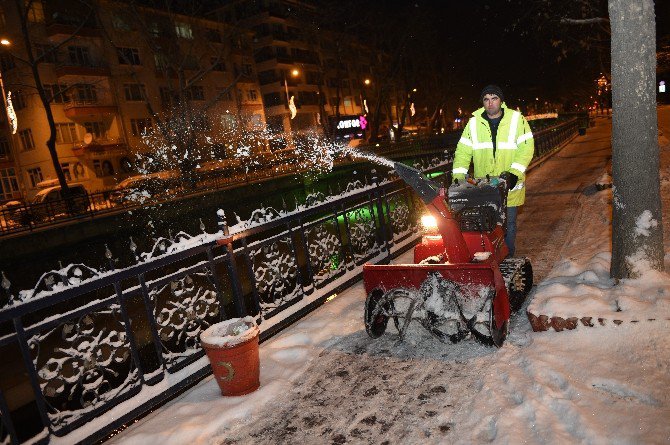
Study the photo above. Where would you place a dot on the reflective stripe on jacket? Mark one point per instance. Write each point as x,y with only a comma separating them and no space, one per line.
514,150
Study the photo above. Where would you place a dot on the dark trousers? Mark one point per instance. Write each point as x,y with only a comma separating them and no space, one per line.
510,236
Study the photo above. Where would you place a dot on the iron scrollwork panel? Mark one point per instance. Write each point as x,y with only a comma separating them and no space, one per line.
184,308
276,276
363,233
401,215
83,365
326,258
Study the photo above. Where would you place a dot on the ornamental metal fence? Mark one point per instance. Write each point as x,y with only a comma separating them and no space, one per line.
87,341
88,349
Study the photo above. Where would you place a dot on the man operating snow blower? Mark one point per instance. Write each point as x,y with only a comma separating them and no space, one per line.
499,142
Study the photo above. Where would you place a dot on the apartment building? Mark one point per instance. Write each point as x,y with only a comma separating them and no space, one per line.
322,70
108,67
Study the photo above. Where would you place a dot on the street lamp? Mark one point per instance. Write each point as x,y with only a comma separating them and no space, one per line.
366,81
289,100
7,98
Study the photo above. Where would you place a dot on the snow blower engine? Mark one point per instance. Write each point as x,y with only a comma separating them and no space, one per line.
461,282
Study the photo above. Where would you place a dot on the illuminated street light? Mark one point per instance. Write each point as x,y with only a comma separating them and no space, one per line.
290,100
414,90
5,42
366,81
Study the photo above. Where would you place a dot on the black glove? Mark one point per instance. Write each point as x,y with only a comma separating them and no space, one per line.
510,179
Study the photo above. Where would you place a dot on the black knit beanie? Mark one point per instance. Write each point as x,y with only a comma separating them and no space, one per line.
492,89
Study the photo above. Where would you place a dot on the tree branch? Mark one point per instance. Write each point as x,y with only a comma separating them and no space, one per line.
590,21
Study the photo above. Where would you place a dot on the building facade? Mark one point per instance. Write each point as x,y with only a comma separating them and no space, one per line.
102,71
296,56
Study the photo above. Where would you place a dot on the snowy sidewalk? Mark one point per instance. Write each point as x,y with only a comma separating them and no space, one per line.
324,381
578,292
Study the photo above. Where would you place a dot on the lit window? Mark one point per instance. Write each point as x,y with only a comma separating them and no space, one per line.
183,30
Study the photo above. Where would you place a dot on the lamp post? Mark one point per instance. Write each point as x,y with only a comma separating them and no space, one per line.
364,97
289,100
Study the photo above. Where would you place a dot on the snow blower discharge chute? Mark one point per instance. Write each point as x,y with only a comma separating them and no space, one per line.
461,282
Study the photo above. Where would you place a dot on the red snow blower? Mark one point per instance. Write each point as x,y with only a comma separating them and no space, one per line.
461,282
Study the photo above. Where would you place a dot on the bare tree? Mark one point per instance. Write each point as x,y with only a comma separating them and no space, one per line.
185,54
31,14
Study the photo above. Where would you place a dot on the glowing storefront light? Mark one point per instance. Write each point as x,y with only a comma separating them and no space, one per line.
349,123
363,122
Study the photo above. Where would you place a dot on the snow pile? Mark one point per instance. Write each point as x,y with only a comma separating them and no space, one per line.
230,332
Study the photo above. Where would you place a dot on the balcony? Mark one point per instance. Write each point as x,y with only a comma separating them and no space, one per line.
94,69
102,145
63,27
87,108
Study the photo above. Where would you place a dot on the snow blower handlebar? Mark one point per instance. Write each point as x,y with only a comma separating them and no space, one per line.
455,247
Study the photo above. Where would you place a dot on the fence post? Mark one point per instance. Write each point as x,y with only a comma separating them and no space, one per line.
238,299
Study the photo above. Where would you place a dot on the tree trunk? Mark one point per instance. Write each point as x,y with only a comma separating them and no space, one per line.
637,229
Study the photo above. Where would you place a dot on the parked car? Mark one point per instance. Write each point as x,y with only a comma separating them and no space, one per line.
49,203
142,188
10,213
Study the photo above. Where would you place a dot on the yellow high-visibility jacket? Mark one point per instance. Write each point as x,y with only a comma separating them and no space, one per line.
514,150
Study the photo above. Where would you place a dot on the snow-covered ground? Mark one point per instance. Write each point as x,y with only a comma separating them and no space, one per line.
324,381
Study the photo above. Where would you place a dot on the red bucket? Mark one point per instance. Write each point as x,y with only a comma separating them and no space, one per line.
235,363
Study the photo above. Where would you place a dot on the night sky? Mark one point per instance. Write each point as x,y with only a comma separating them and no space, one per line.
485,41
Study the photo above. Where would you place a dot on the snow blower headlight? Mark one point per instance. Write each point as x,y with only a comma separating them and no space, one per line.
429,224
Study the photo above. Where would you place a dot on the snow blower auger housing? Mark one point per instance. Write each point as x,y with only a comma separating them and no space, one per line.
461,282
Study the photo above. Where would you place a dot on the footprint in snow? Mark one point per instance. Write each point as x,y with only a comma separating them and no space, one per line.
618,389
